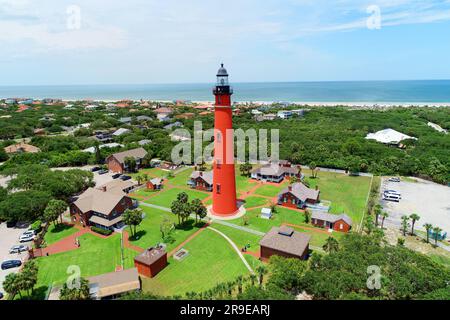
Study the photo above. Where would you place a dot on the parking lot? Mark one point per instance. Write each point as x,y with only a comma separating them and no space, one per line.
8,238
431,201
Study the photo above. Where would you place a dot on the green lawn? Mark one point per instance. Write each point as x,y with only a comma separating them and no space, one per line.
348,194
239,237
166,197
211,260
149,230
181,179
270,190
283,215
60,232
243,184
95,256
253,201
146,193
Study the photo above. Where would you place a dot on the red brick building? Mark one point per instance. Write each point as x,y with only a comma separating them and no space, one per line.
150,262
155,184
201,180
285,242
116,161
297,196
341,222
102,208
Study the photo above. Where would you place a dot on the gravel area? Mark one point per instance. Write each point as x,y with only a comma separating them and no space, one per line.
431,201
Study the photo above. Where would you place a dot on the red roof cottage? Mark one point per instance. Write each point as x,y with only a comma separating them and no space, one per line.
155,184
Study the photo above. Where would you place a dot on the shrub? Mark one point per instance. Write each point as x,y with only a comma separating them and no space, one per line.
105,232
36,226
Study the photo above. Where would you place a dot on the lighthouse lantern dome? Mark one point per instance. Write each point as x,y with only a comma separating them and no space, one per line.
222,76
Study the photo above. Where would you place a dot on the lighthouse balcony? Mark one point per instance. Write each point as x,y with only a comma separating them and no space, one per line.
222,90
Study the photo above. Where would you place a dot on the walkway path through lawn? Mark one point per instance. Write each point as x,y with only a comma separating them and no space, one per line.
192,236
235,248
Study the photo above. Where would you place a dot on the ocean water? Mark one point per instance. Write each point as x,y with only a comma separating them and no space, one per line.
421,91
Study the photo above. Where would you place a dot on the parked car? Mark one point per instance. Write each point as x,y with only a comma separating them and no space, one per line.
95,169
8,264
103,171
29,232
394,179
124,178
117,175
18,248
26,238
11,224
393,192
391,197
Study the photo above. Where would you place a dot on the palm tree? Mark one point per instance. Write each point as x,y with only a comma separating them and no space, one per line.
384,215
239,281
405,224
437,231
10,285
313,167
331,245
252,278
414,217
261,270
428,227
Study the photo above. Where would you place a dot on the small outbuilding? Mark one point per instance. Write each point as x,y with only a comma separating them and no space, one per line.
155,184
266,213
335,222
150,262
284,241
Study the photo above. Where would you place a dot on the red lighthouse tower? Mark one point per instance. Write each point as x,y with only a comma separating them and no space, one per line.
224,190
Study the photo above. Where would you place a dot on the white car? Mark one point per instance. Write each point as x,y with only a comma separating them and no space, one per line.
32,232
18,249
27,237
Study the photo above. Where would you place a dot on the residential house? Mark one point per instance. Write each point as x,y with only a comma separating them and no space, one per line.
335,222
298,196
144,142
118,185
106,145
116,161
120,132
100,208
155,184
143,118
276,172
21,148
284,114
389,136
186,115
125,120
285,242
201,180
176,124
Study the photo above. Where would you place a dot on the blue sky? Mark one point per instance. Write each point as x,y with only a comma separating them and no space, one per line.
154,41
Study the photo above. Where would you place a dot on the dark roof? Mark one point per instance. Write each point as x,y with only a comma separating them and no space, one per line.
222,71
138,153
325,216
207,176
276,169
286,240
150,255
302,192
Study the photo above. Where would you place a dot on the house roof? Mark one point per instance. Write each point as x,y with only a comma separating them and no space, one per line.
137,153
325,216
21,147
164,110
156,181
120,131
144,142
286,240
117,185
388,136
275,169
105,222
113,283
150,255
302,192
207,176
100,201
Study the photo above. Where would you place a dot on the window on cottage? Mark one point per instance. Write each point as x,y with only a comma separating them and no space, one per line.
341,226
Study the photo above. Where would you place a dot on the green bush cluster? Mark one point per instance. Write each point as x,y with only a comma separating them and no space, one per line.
105,232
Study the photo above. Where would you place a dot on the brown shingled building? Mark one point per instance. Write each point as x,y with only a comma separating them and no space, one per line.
150,262
284,241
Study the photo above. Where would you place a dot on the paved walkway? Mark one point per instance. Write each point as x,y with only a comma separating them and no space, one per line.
128,244
155,206
235,226
235,248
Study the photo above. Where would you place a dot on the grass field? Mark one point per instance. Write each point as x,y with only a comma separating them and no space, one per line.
95,256
149,230
181,179
166,197
253,201
347,194
243,184
270,190
211,260
54,234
